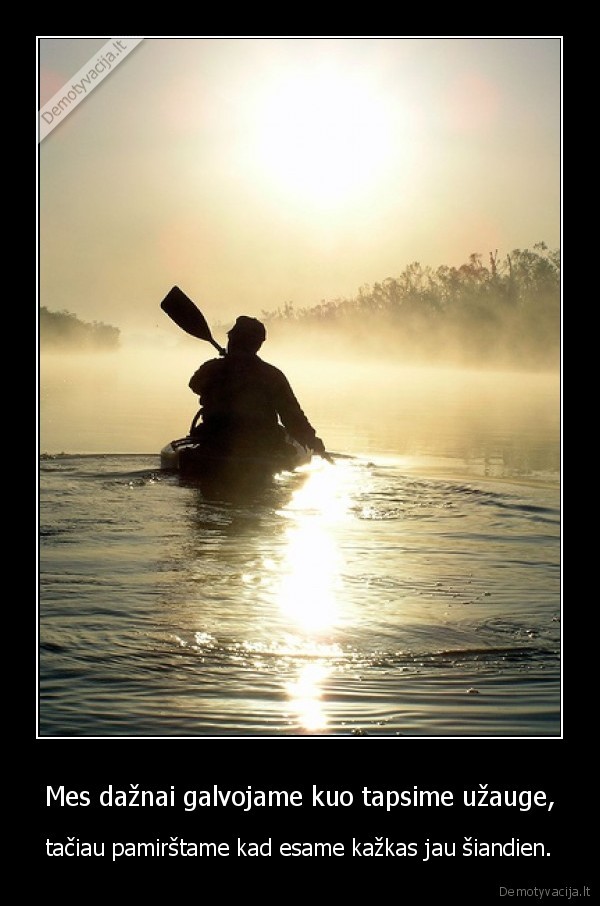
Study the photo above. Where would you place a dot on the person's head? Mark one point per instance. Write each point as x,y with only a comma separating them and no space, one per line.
246,335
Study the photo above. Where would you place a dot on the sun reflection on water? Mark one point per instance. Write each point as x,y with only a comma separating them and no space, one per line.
311,569
309,588
306,692
307,593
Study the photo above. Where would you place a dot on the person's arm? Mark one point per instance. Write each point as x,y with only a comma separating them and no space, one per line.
293,417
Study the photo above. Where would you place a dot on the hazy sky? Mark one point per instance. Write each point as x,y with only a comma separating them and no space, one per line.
255,171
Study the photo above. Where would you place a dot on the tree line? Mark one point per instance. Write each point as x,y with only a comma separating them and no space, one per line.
60,330
501,311
498,311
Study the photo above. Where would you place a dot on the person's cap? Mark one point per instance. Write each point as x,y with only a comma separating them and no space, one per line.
251,328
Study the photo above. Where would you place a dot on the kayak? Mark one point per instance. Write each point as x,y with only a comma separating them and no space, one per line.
197,462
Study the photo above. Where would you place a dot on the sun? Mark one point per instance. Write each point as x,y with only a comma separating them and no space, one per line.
322,138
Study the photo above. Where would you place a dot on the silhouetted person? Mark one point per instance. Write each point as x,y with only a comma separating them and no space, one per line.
248,405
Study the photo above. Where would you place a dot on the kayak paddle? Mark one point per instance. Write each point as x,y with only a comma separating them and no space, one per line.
186,315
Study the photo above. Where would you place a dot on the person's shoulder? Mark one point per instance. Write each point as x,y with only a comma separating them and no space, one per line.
207,371
211,364
270,370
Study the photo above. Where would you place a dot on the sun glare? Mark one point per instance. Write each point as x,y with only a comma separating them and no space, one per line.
308,590
311,570
305,694
322,138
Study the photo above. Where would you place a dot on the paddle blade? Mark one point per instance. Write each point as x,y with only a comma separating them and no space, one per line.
182,310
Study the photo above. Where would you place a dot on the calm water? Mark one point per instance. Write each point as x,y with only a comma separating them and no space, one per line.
413,588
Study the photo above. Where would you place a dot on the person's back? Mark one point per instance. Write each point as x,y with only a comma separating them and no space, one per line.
244,399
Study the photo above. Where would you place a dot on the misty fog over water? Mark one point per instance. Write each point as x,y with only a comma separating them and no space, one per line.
135,400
